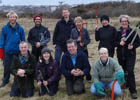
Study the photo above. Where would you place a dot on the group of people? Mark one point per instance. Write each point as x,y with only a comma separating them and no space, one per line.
70,38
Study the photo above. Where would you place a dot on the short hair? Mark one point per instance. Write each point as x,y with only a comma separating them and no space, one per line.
72,41
78,18
124,16
23,42
103,49
12,12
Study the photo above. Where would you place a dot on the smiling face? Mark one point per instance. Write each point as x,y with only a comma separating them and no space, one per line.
72,48
78,24
46,56
65,13
105,22
23,48
103,53
124,23
12,18
37,21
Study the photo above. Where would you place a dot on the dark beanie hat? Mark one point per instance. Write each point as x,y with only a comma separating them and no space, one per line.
44,50
104,17
35,16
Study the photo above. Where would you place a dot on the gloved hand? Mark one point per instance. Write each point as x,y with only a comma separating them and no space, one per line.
120,77
99,89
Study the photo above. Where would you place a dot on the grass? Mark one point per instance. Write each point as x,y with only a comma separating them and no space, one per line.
27,23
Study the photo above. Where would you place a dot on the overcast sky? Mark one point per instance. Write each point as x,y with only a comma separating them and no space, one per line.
51,2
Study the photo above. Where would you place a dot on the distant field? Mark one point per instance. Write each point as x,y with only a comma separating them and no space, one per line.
27,23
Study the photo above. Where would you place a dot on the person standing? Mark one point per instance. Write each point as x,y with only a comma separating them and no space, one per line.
126,53
74,67
81,35
62,34
11,35
23,68
38,36
106,35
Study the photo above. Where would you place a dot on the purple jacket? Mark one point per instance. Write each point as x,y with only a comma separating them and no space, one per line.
49,72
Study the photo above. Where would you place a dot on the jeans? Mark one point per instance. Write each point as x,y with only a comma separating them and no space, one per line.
117,88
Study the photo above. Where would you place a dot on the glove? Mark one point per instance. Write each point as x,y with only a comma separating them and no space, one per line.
99,89
120,77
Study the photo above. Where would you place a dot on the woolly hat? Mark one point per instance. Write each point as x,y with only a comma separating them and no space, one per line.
104,17
44,50
35,16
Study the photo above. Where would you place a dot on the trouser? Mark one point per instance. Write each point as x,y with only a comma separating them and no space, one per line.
75,86
58,53
7,63
117,88
36,52
16,93
50,89
128,64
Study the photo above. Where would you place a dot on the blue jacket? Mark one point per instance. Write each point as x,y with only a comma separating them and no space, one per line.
81,63
11,37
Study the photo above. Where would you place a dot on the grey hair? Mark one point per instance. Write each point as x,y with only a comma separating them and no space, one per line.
124,16
12,12
103,49
23,42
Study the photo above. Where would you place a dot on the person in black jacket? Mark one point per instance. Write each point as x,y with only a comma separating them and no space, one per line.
38,36
62,34
81,35
74,67
106,35
126,53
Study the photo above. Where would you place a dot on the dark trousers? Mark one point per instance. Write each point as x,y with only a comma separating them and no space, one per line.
58,53
7,63
128,64
36,52
17,93
75,86
50,90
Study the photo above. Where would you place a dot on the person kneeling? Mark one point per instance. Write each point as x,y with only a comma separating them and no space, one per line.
105,71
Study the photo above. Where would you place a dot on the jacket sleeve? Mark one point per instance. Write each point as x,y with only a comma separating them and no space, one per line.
136,42
64,70
55,76
14,66
46,37
97,35
22,37
30,38
56,33
2,38
95,73
87,38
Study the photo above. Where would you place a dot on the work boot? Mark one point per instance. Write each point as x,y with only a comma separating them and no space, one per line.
134,95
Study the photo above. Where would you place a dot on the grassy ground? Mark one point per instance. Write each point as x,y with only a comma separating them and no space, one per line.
27,23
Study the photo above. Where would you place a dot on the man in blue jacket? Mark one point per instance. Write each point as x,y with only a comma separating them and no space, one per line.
11,35
74,67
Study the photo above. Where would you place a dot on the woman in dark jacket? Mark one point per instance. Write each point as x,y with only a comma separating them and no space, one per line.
126,53
106,35
81,35
47,73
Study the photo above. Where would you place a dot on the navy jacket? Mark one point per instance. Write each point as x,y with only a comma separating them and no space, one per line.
62,32
50,72
81,63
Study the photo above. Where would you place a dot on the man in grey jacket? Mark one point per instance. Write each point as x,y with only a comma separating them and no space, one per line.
105,71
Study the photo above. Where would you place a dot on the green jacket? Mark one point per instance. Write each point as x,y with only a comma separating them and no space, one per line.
26,82
105,73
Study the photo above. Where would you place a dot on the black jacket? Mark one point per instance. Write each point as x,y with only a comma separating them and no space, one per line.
39,34
62,32
106,35
123,51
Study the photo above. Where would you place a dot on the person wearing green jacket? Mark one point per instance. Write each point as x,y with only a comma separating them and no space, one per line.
23,68
105,71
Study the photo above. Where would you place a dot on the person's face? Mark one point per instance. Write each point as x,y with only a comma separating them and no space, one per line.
105,22
124,23
72,49
46,56
23,49
103,55
12,18
65,13
79,24
37,21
